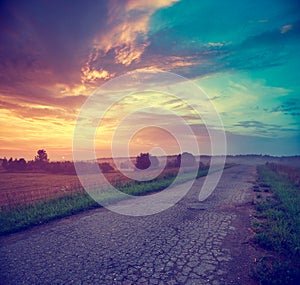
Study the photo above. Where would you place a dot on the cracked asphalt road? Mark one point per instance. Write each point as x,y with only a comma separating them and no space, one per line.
190,243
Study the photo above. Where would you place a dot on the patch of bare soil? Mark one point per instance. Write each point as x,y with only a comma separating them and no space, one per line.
245,254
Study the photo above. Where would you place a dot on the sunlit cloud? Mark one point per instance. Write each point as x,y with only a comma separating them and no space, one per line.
92,75
126,31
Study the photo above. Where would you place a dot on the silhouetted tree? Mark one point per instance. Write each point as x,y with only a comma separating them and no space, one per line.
42,156
9,164
143,161
4,163
185,160
106,167
14,165
21,164
172,162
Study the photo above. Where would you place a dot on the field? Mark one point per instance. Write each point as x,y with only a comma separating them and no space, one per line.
26,188
35,198
31,187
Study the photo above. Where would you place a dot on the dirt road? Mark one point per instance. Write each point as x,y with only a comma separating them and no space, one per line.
190,243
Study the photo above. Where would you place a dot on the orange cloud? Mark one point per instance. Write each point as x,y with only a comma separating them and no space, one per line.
126,35
91,75
148,4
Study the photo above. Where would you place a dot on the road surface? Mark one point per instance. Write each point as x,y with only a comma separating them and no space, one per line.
190,243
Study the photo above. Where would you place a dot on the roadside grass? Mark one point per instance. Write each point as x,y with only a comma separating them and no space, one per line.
143,188
29,215
278,230
21,217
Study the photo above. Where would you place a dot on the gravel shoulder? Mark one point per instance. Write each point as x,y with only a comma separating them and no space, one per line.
190,243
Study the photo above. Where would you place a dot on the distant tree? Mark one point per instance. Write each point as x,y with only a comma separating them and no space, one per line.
41,161
172,162
154,161
4,163
106,167
143,161
21,164
186,160
14,165
42,156
9,164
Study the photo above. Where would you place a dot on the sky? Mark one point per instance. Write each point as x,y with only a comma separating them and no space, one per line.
244,55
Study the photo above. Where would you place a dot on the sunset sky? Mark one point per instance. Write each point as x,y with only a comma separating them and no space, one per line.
244,55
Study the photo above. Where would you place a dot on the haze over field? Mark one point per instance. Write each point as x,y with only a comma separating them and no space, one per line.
243,54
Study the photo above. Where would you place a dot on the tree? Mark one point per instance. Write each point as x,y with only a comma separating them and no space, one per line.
4,163
143,161
185,160
105,167
14,165
9,164
42,156
21,164
154,161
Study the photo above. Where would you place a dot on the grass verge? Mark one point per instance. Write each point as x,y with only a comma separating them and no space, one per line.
278,230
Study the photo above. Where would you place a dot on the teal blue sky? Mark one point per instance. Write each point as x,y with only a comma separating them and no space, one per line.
244,55
249,63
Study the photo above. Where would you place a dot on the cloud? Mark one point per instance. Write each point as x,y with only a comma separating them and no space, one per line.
285,28
124,35
264,129
249,106
255,124
47,41
63,107
289,107
222,44
92,75
43,47
34,112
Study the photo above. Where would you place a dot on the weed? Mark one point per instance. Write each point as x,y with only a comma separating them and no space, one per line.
268,271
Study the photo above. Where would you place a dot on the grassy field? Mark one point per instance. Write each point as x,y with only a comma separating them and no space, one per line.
277,227
23,188
18,189
18,216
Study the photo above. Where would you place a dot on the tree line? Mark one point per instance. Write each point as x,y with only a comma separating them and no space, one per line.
41,163
145,161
